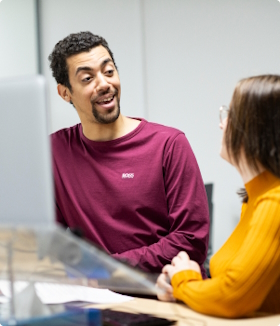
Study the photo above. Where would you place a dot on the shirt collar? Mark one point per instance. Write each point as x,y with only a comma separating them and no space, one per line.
261,184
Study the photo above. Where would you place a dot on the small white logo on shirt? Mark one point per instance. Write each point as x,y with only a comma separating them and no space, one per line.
127,175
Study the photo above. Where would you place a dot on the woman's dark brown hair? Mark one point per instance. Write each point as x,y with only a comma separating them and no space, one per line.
254,123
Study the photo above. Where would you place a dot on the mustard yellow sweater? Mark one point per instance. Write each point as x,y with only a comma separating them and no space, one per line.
246,270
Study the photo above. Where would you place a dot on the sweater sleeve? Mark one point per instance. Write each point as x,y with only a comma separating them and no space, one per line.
242,287
188,212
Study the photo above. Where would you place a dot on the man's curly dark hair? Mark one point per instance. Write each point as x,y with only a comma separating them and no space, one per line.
70,45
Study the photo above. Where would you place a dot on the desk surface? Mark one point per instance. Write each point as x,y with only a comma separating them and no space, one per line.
185,315
178,311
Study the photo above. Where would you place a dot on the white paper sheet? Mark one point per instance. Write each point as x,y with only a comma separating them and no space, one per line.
53,293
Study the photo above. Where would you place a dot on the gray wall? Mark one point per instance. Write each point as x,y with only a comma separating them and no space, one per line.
178,60
18,38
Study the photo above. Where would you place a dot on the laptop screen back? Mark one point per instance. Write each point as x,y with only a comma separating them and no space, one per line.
26,189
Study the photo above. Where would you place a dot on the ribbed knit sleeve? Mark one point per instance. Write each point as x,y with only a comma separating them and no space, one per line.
243,284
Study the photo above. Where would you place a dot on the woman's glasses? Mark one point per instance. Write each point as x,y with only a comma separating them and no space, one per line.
223,113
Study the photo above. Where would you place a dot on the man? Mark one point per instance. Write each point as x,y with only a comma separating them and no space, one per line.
133,187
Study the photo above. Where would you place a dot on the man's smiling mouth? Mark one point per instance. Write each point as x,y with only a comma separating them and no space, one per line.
106,100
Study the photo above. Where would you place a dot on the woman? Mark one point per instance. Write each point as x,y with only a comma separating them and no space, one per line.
246,270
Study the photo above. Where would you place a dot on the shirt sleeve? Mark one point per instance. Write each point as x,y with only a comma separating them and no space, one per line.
187,212
244,284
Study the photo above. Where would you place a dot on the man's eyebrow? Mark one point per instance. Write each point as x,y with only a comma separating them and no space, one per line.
86,68
105,62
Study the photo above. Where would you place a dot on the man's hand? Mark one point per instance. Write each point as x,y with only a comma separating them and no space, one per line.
179,263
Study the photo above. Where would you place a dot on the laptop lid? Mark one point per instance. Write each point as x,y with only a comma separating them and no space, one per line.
26,189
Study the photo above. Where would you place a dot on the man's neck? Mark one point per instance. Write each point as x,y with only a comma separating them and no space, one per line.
105,132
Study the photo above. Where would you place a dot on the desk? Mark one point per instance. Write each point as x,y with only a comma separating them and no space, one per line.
185,315
26,264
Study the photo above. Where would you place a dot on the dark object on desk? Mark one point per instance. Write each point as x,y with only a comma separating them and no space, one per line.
119,318
209,192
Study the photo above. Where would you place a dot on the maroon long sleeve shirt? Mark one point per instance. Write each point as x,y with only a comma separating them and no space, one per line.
140,197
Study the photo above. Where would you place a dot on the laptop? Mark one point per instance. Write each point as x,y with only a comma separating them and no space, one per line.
27,197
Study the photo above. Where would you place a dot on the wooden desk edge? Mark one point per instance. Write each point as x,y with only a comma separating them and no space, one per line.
184,315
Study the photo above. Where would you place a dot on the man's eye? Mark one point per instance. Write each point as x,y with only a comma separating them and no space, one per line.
86,79
110,72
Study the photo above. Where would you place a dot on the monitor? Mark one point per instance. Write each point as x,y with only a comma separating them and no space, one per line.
26,189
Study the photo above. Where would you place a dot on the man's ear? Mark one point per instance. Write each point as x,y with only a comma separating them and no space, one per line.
64,92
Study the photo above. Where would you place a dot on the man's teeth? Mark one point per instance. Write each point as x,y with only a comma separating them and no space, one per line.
106,100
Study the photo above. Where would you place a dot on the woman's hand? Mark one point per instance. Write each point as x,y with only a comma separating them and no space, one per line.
166,289
179,263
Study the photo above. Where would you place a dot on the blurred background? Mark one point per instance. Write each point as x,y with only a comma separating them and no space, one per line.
178,60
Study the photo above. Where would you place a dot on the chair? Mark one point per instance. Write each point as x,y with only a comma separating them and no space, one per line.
209,192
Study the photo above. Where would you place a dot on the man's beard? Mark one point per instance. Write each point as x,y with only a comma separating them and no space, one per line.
108,117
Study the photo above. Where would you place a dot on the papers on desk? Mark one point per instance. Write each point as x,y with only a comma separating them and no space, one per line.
53,293
61,293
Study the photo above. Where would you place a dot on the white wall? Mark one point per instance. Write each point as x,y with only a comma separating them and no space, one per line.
179,61
18,39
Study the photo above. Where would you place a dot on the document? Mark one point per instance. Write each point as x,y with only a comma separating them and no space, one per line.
57,293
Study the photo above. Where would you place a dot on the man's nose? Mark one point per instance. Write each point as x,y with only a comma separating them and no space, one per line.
102,83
